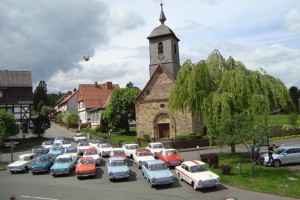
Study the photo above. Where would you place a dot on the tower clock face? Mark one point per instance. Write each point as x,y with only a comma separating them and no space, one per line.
161,56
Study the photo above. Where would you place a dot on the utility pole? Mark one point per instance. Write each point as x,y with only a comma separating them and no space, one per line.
12,145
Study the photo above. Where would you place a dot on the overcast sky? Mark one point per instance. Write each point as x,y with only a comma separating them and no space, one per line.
50,38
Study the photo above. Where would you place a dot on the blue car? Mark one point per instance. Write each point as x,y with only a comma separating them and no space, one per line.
117,168
157,173
43,163
63,165
56,150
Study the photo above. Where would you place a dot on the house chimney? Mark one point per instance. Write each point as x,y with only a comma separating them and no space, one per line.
109,85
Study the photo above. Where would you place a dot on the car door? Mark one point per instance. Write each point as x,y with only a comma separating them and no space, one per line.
287,156
296,155
185,172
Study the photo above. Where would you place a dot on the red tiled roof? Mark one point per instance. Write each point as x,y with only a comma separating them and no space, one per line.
15,78
95,95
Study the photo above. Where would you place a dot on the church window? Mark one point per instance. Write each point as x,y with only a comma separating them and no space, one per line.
148,92
160,47
175,49
162,105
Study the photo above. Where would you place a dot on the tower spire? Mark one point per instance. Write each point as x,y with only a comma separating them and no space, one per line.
162,17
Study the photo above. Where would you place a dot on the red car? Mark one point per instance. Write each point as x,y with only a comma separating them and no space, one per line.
171,157
86,166
118,152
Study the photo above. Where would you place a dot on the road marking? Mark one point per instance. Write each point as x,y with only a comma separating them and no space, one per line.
44,198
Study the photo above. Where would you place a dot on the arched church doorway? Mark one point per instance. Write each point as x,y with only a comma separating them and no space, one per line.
163,124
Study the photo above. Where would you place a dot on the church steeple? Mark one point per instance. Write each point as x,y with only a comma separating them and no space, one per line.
163,46
162,17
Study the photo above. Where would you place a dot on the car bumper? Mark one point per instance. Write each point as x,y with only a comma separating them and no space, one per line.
83,174
16,169
37,170
165,182
119,176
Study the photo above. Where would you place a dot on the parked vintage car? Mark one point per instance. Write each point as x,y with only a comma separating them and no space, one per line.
92,152
23,163
117,168
56,150
104,149
94,142
82,146
66,143
129,149
171,157
155,147
117,152
63,165
59,139
283,155
38,150
196,173
157,173
79,136
43,163
47,144
141,155
72,151
86,166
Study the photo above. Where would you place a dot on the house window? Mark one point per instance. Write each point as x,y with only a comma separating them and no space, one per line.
175,49
1,94
160,47
148,92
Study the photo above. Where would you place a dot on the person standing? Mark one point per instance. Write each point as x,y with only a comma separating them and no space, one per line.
270,154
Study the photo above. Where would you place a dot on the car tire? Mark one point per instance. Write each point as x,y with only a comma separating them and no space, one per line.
180,177
143,175
276,163
194,186
26,169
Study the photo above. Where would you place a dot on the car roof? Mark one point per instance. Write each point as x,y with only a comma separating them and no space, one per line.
63,156
289,146
116,158
193,162
71,147
130,144
142,150
86,158
90,149
157,161
155,143
169,150
26,154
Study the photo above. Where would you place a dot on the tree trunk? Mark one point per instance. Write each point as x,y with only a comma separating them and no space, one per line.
127,129
232,146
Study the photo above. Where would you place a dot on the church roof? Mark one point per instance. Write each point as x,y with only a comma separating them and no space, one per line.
162,30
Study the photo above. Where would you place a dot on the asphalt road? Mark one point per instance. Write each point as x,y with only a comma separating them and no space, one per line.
33,187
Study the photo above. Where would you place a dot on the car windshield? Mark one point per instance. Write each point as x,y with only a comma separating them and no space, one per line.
118,152
80,135
62,160
71,150
170,153
105,145
90,152
95,141
135,146
144,153
42,159
55,148
157,167
23,158
59,138
117,163
66,142
198,168
83,143
279,150
157,146
86,161
48,142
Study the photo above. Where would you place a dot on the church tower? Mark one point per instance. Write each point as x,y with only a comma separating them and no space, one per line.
163,47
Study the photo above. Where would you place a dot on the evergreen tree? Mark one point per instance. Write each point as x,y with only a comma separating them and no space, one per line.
40,95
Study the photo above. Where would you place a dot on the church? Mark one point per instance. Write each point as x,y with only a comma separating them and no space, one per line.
153,118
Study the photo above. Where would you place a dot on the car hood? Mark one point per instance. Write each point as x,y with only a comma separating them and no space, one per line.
203,176
174,158
93,156
115,169
160,174
55,152
60,165
17,163
40,164
145,158
81,168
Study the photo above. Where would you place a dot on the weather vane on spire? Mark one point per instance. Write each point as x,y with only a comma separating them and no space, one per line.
162,17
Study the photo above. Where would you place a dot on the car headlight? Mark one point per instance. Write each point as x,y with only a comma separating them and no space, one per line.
110,174
153,180
200,183
218,180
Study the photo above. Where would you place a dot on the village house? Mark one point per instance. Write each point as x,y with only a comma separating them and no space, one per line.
16,97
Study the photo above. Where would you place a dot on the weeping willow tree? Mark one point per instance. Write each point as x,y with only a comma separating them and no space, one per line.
236,102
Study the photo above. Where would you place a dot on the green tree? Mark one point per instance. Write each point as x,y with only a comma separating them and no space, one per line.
72,119
40,124
229,96
121,108
40,95
8,125
53,98
295,95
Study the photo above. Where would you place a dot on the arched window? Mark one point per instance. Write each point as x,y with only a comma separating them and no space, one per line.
160,47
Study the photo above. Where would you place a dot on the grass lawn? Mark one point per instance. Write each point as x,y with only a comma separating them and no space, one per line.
281,180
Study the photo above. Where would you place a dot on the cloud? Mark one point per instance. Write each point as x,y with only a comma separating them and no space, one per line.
292,20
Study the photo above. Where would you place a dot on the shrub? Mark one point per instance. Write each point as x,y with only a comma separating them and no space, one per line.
146,138
212,159
225,169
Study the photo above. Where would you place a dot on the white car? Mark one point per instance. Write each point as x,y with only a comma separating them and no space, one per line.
79,136
66,143
155,147
141,156
129,149
92,152
104,149
94,142
71,151
196,173
23,163
58,139
47,144
82,146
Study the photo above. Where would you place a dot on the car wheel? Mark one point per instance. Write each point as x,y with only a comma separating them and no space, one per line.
143,175
180,177
276,163
33,173
194,186
26,169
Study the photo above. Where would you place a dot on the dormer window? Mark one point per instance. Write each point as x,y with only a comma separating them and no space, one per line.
160,47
